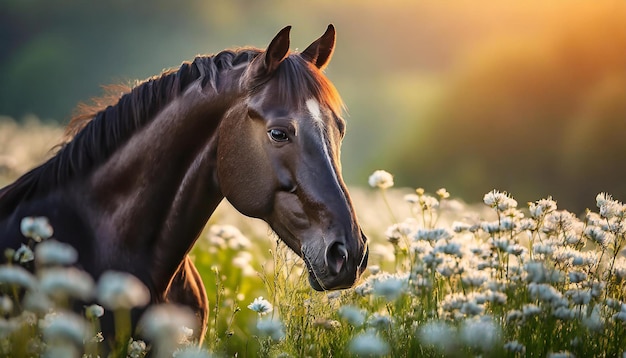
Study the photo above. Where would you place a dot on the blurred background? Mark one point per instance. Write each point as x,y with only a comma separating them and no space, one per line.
527,97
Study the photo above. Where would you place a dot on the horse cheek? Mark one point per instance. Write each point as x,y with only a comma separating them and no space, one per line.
245,177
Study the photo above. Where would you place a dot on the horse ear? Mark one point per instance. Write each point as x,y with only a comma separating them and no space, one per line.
321,50
275,53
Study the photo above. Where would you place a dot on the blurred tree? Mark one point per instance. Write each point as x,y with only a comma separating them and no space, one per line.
438,93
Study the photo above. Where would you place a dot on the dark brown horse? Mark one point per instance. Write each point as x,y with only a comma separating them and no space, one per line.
136,183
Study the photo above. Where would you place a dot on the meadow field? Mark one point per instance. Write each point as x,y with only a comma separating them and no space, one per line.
479,277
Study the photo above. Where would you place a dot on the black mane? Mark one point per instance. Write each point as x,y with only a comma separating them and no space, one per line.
104,130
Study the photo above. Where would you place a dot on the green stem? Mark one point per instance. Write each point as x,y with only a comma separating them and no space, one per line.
393,217
92,347
616,251
218,294
122,330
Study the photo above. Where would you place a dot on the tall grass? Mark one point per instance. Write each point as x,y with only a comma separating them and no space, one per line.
445,279
534,282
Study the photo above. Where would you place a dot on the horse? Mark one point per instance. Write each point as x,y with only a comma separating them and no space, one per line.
136,182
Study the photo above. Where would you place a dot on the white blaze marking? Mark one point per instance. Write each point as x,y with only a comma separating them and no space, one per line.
314,109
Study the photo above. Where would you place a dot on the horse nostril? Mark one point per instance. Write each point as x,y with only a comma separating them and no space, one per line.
336,257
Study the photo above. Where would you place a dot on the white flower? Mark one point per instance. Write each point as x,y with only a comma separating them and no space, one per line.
271,327
475,278
514,316
516,250
60,350
8,326
66,282
542,207
23,255
352,315
587,258
491,227
37,301
452,248
368,344
433,235
6,304
481,333
228,235
428,202
52,252
561,354
507,223
527,224
453,301
242,260
565,255
17,275
543,248
390,287
380,321
261,306
373,269
382,252
36,228
579,297
596,287
621,315
443,193
564,313
495,297
515,347
94,311
168,324
449,267
577,276
136,349
432,260
594,321
364,289
458,226
544,292
191,352
536,272
438,334
597,234
619,268
501,201
560,221
472,308
609,207
530,310
65,325
381,179
121,290
185,334
603,199
397,231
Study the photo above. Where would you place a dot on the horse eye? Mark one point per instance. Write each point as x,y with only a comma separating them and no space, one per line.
278,135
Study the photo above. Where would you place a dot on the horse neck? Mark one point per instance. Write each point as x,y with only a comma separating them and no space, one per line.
155,194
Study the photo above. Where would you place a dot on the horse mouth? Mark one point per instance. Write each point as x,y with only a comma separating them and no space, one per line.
314,280
334,271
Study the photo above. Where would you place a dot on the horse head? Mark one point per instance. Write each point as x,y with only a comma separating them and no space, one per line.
278,159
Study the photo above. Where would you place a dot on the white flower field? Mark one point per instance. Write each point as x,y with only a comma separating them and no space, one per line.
445,279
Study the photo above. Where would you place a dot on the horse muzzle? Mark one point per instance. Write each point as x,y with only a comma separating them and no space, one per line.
336,267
